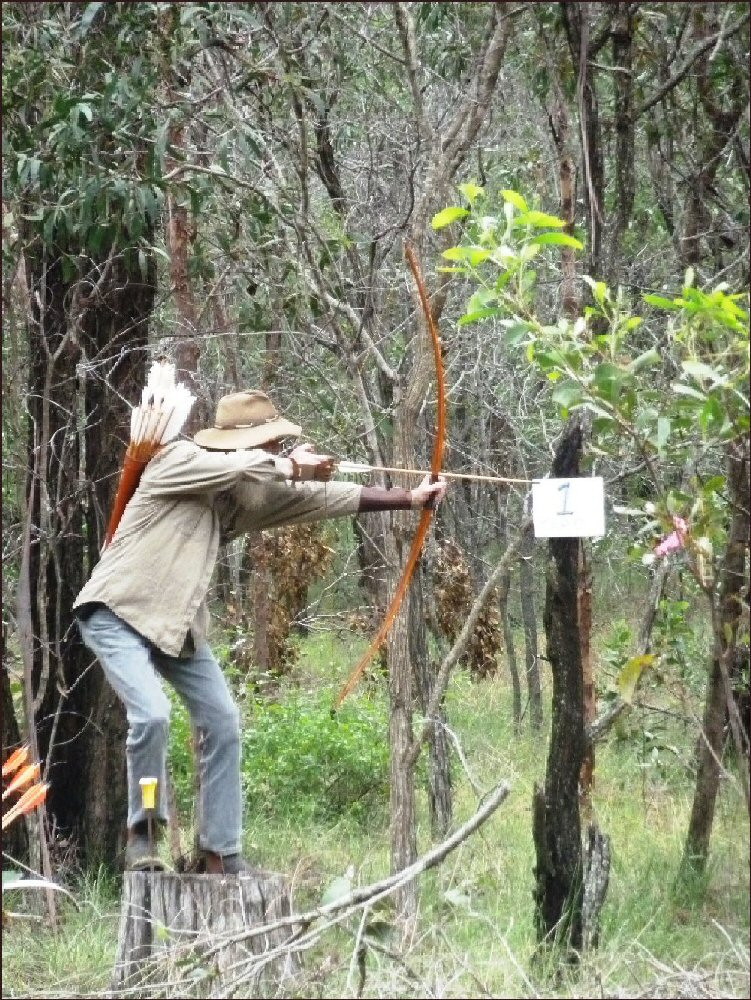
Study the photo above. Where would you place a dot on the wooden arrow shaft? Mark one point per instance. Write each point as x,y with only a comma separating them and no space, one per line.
447,475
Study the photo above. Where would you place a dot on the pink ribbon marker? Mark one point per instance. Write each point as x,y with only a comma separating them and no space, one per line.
674,541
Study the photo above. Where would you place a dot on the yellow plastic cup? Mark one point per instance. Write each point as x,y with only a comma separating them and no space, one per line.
148,792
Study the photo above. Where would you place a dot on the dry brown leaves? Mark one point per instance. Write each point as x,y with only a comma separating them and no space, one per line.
454,595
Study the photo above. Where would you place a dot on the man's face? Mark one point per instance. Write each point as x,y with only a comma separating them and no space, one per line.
273,447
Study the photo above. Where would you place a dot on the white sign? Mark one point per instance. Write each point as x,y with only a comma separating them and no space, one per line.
569,508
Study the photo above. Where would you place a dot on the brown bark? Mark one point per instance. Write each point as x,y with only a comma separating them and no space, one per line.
180,233
78,434
504,588
168,922
528,600
403,827
260,585
561,129
625,182
440,801
576,22
719,696
508,642
589,694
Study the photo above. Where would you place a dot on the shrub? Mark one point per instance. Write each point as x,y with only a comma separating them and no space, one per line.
301,762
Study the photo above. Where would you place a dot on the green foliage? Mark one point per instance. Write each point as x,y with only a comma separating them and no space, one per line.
181,763
682,651
668,389
299,760
76,956
84,150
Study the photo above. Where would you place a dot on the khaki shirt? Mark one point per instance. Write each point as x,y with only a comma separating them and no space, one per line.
156,571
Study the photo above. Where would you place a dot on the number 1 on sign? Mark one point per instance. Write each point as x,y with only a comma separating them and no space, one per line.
564,487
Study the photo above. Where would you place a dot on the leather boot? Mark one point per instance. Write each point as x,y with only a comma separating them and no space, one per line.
140,855
211,863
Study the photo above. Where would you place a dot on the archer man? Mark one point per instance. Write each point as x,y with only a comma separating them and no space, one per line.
143,612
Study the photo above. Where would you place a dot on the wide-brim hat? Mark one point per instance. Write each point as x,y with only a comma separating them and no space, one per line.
245,420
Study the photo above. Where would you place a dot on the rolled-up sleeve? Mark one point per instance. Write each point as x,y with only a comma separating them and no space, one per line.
249,506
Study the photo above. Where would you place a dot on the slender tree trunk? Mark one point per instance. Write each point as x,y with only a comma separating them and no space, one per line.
723,112
528,595
589,694
180,234
403,827
260,590
719,699
576,20
440,800
622,35
504,587
560,127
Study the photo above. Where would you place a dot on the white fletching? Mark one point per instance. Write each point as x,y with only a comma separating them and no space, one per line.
164,407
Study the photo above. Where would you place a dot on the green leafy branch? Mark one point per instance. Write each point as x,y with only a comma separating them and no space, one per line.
670,383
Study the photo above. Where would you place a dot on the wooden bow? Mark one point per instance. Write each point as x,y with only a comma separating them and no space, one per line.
436,463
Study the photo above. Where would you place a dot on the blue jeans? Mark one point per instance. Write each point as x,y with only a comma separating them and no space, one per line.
133,666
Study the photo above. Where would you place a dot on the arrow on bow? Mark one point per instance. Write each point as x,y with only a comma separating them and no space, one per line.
436,462
355,468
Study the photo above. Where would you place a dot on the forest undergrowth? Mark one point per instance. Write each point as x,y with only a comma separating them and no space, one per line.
316,794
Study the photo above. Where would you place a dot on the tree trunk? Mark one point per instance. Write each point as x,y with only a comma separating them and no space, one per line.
561,129
723,107
556,820
402,778
192,932
439,759
529,618
719,696
180,234
576,21
625,181
504,585
589,693
504,588
87,354
260,587
370,531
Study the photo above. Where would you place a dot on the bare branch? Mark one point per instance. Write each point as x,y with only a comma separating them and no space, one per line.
697,52
406,25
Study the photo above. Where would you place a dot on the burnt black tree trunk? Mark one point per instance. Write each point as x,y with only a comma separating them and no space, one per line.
556,819
87,338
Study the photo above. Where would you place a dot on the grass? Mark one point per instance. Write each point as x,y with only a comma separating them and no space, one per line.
474,935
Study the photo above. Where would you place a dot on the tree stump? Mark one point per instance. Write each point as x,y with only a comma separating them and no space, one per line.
187,935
